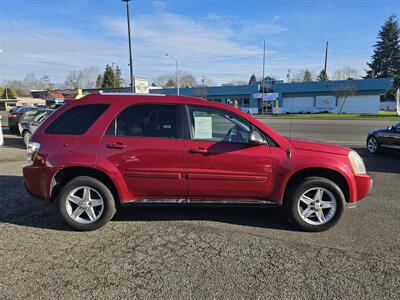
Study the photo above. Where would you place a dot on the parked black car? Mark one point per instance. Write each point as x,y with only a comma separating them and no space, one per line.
30,121
15,116
384,138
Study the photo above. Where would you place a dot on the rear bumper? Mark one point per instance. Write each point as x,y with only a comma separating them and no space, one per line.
37,181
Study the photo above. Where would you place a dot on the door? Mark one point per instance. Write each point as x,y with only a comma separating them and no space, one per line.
221,162
392,137
145,143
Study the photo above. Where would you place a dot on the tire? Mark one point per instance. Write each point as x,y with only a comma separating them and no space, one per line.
26,136
90,214
373,145
302,191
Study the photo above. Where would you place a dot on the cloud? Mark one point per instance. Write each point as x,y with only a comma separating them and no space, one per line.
216,46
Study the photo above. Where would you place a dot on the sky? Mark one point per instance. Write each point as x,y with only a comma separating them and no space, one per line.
220,39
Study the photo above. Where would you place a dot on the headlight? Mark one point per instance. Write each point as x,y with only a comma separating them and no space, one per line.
32,150
357,163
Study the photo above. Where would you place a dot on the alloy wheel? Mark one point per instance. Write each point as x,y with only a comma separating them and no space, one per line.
317,206
27,137
372,144
84,205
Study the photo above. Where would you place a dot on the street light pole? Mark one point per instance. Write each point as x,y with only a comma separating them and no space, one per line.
177,72
1,52
130,47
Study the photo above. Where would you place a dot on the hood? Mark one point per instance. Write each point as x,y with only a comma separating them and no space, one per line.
319,147
378,131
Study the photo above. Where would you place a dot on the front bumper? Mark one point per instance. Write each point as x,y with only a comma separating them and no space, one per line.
363,184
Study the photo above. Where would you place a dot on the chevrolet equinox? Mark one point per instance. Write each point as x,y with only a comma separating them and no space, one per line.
127,149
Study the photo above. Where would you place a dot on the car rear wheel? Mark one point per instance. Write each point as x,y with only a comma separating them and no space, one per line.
26,136
85,203
316,204
372,145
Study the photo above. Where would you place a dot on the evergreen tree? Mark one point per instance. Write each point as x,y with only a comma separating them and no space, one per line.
118,75
99,81
252,79
110,80
385,62
8,94
307,76
322,76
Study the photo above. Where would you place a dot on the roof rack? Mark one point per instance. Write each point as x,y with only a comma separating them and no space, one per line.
128,94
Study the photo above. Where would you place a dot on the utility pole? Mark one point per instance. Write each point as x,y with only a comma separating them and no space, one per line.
326,57
176,72
130,46
263,82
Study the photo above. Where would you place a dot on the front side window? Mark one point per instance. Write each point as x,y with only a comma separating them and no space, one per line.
77,120
147,120
218,126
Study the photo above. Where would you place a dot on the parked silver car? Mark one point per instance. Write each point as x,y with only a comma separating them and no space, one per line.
30,121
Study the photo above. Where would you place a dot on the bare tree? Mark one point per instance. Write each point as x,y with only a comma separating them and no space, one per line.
345,73
302,76
237,82
187,79
163,79
85,78
344,91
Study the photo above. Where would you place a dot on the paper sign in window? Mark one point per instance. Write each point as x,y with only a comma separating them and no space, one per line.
202,127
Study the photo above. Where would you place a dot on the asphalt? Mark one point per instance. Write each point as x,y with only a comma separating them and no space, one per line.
201,253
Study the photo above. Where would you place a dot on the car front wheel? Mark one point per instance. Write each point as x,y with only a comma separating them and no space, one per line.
85,203
316,204
372,145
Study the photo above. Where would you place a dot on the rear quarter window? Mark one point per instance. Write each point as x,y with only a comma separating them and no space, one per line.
76,120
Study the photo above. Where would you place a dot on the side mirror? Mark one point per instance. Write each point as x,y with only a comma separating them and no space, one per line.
256,138
390,128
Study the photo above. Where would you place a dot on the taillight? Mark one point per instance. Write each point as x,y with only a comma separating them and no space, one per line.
32,149
12,116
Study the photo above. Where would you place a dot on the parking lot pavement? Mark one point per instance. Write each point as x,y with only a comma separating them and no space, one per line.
186,252
350,132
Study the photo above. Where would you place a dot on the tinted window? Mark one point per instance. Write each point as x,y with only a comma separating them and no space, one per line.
146,121
219,126
76,120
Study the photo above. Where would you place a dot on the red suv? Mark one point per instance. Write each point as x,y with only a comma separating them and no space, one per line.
134,149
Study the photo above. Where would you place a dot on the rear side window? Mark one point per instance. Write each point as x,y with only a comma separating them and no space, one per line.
77,120
149,120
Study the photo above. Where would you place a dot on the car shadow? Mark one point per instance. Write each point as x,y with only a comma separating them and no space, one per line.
386,161
19,208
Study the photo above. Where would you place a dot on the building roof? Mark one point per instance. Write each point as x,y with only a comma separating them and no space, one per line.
57,95
379,84
212,90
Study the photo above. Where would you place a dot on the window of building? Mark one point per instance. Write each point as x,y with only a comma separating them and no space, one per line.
77,120
218,126
149,120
